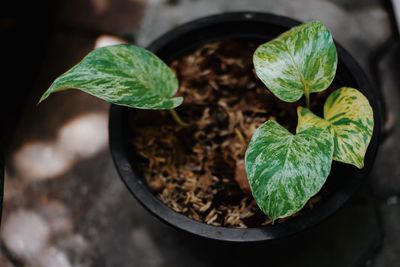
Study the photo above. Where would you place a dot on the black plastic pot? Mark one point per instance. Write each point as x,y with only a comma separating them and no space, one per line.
344,179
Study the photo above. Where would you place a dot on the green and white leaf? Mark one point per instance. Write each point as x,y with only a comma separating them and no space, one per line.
125,75
300,61
350,118
286,170
307,119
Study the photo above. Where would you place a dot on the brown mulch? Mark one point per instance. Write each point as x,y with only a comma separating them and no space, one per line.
199,170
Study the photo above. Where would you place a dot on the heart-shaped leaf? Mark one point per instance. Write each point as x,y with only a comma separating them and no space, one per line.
125,75
286,170
300,61
350,117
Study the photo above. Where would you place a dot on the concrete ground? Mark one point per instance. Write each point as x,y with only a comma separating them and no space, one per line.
65,205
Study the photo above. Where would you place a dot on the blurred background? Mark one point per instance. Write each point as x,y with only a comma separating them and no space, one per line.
64,204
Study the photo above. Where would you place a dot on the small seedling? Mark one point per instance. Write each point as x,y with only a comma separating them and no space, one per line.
285,170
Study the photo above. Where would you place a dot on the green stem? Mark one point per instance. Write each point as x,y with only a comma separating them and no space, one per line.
178,119
307,94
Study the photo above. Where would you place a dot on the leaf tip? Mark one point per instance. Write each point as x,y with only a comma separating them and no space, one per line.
42,98
359,163
177,101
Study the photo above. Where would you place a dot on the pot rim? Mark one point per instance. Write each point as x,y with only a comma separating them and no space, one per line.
136,186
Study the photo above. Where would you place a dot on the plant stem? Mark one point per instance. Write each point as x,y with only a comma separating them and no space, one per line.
307,94
240,136
308,100
178,119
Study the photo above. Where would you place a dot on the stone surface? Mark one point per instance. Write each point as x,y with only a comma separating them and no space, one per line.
52,257
390,253
386,174
96,16
40,160
77,248
25,234
84,136
347,26
58,218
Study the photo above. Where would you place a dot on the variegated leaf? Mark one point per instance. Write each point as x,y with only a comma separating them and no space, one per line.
300,61
125,75
307,119
286,170
352,119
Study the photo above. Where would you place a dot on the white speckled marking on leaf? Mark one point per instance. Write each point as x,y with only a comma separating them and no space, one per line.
307,119
350,118
124,75
286,170
301,60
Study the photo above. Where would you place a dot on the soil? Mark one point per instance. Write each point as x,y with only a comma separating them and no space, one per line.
199,170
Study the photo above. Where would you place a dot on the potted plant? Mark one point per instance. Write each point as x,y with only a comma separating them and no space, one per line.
244,163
